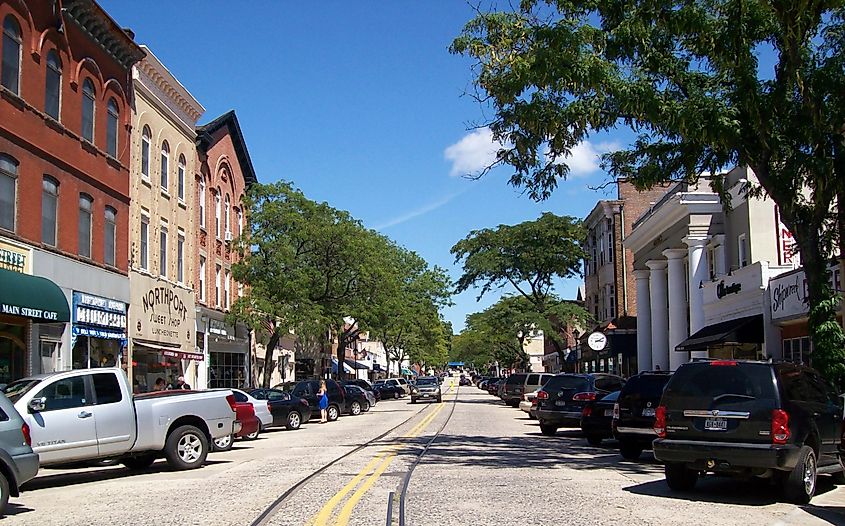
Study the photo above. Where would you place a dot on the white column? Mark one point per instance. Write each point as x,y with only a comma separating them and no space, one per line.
678,308
643,321
659,314
698,273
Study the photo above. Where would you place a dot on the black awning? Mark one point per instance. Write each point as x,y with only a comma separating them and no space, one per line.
732,332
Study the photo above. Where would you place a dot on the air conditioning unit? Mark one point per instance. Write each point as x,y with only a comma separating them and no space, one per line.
227,236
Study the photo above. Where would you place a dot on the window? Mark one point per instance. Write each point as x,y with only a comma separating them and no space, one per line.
11,54
162,251
146,137
202,204
742,250
145,241
612,306
88,106
111,128
217,214
226,291
180,176
53,85
106,388
226,212
68,393
86,207
797,350
180,253
202,278
110,241
165,157
217,286
711,262
8,190
49,206
610,240
240,223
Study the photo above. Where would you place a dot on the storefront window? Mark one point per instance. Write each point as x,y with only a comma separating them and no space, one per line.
149,365
12,352
797,350
94,352
226,369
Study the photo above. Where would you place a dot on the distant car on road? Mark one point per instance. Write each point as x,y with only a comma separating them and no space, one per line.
18,463
286,410
561,401
633,420
366,386
428,388
464,381
779,421
597,418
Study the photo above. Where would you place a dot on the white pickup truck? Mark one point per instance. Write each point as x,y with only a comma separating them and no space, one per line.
91,414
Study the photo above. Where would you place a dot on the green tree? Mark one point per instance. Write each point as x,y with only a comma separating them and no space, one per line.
687,77
528,256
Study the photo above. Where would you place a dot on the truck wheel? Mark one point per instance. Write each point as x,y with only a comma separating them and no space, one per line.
800,485
4,493
333,413
630,451
679,477
548,430
186,448
294,421
223,444
355,408
139,462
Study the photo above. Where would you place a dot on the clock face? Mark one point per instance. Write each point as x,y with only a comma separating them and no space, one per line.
597,341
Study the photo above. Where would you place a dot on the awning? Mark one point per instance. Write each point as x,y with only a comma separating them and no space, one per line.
172,352
356,365
408,372
33,297
455,364
346,367
732,332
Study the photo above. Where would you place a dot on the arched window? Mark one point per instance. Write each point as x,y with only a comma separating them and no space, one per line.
86,207
110,241
217,207
112,119
49,210
89,95
11,67
181,177
8,190
226,212
165,158
53,85
146,139
202,203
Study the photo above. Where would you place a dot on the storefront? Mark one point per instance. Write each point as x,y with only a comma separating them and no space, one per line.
228,349
162,330
98,331
27,303
611,347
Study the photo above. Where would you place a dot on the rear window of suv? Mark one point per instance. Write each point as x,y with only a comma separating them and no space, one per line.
730,384
516,379
647,386
568,382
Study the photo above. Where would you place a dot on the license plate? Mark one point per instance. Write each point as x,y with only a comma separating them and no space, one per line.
425,396
715,424
560,403
608,412
648,411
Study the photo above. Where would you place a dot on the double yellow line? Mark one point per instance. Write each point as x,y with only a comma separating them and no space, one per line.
374,469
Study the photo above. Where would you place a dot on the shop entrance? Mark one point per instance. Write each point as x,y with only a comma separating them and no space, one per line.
227,369
12,352
95,352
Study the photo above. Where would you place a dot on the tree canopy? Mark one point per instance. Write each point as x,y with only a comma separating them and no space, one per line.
692,79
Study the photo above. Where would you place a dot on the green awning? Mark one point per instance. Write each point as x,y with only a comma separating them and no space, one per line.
33,297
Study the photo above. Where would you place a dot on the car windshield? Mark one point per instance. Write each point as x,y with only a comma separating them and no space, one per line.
580,383
702,383
17,389
427,381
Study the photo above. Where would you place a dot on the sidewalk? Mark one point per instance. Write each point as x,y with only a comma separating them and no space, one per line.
826,509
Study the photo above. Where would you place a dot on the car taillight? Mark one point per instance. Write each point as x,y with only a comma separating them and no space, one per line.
780,426
26,436
584,397
231,399
660,421
587,411
534,402
542,395
723,362
616,411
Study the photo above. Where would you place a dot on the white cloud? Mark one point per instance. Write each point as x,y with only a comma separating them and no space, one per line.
473,153
584,157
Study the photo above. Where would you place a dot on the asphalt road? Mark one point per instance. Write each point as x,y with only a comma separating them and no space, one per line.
490,465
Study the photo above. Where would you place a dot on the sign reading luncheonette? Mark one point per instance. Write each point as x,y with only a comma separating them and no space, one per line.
161,312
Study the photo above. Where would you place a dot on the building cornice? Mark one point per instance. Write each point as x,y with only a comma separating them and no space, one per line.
153,75
102,29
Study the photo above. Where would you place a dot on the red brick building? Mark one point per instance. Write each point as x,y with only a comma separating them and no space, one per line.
65,113
225,172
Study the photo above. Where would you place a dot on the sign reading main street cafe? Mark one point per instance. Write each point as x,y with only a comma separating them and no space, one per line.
161,311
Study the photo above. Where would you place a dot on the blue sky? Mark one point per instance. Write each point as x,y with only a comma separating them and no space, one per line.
359,104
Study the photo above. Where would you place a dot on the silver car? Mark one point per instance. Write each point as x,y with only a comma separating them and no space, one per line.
427,388
20,463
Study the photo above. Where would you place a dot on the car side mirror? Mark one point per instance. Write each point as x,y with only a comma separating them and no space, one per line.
37,404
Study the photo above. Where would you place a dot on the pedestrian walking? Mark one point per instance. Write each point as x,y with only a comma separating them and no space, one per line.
323,395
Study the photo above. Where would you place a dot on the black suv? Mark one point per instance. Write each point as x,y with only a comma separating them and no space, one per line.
561,401
514,388
749,419
308,390
633,414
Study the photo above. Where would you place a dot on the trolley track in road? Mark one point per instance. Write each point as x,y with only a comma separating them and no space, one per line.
278,504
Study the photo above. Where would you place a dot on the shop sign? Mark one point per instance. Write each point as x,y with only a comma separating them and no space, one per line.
789,296
723,290
161,312
27,312
14,258
98,317
220,328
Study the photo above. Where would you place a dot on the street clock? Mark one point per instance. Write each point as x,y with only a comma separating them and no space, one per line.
597,341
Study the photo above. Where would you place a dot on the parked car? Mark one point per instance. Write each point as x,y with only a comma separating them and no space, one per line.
286,410
366,386
405,385
308,390
89,414
633,414
561,401
492,386
250,424
18,463
428,388
520,383
357,401
261,408
464,381
390,388
749,418
482,384
597,418
529,404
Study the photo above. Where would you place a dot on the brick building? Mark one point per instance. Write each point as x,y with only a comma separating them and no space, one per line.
609,283
225,172
65,124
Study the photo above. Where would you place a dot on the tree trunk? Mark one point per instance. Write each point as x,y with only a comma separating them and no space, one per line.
268,358
840,203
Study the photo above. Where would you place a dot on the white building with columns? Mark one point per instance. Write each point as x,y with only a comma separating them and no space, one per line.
702,273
